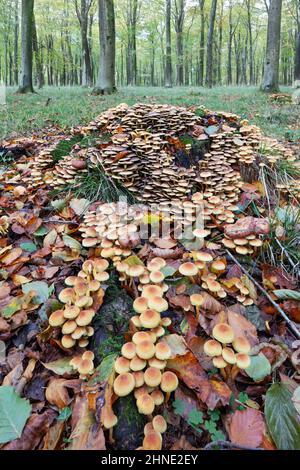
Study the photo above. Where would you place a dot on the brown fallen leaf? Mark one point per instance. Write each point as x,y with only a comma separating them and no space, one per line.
36,427
54,436
86,434
247,226
242,327
246,427
57,393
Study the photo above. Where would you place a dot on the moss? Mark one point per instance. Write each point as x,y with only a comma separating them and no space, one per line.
128,433
64,148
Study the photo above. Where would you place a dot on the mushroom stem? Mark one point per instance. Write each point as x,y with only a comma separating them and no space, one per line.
167,396
234,371
111,439
197,312
192,278
223,373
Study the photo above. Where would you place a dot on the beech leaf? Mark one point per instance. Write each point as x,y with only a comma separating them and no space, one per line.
14,412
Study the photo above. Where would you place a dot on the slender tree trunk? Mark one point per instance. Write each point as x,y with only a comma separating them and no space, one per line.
220,44
16,43
210,43
202,42
83,18
168,71
249,22
131,42
297,55
25,82
38,61
271,71
106,80
179,22
231,33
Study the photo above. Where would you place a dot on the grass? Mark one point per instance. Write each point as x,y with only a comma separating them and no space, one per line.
69,107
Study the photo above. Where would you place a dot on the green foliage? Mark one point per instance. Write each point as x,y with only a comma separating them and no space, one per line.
65,414
105,369
60,366
64,147
111,345
41,288
14,412
259,368
281,417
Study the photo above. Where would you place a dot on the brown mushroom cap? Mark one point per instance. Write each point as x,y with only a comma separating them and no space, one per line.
137,364
152,441
166,321
79,332
159,424
229,355
160,261
67,341
241,345
100,264
88,355
204,256
108,418
124,384
85,317
169,382
148,428
158,397
57,318
243,360
157,363
162,351
75,361
139,378
69,327
217,266
219,362
83,342
152,290
145,404
212,348
140,336
156,276
122,365
145,349
135,271
85,366
158,303
136,321
152,376
67,296
223,332
128,350
71,312
188,269
150,319
196,300
140,304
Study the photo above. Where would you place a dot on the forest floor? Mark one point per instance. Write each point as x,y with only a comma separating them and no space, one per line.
68,107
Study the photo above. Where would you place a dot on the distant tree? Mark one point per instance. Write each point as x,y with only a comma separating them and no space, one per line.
168,71
25,78
179,15
297,52
270,81
106,78
202,42
210,44
132,17
82,12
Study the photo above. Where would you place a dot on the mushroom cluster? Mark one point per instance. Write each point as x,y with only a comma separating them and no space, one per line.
41,163
67,171
4,225
243,246
84,364
78,298
224,357
216,211
153,431
239,287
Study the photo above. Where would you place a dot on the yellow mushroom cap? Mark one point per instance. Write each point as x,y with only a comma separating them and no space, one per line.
212,348
213,286
204,256
241,345
159,331
152,290
101,264
162,351
71,312
159,424
148,428
160,261
166,321
145,349
152,441
135,271
223,332
85,317
219,362
57,318
140,304
150,319
196,300
69,327
108,418
136,321
188,269
243,360
122,365
152,376
156,276
140,336
79,332
169,382
158,397
128,350
139,378
94,285
88,355
229,355
145,404
67,295
67,341
83,342
157,363
137,364
158,303
75,361
217,266
124,384
143,390
85,366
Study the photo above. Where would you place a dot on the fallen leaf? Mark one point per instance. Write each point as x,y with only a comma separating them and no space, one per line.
57,393
247,428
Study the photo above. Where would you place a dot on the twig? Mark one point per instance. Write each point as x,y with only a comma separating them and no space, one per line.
288,257
66,222
228,445
278,308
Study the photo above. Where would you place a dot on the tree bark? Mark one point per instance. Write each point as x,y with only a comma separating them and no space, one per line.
270,82
297,52
202,42
132,14
210,43
38,60
16,43
25,79
179,15
230,40
83,18
106,79
168,71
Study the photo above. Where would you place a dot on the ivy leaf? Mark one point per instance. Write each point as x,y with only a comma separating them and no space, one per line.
210,426
218,436
214,415
14,412
259,368
243,397
281,418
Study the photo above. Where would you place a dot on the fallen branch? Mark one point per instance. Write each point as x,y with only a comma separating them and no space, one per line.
289,322
288,257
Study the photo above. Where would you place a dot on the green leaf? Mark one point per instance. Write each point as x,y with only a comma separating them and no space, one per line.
105,369
14,412
296,399
259,368
72,243
179,407
65,414
214,415
10,309
254,314
60,367
218,436
41,232
168,271
59,204
30,247
287,294
40,287
281,418
243,397
210,426
195,417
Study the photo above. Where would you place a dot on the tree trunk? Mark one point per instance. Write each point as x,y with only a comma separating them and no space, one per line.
168,71
16,44
270,82
202,43
297,57
38,61
106,80
25,81
83,18
231,33
131,42
210,43
179,22
249,22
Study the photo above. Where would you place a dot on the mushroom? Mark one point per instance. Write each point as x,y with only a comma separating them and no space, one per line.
145,349
152,441
128,350
122,365
150,319
241,345
197,300
145,404
159,424
212,348
152,376
57,318
223,333
169,383
124,384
